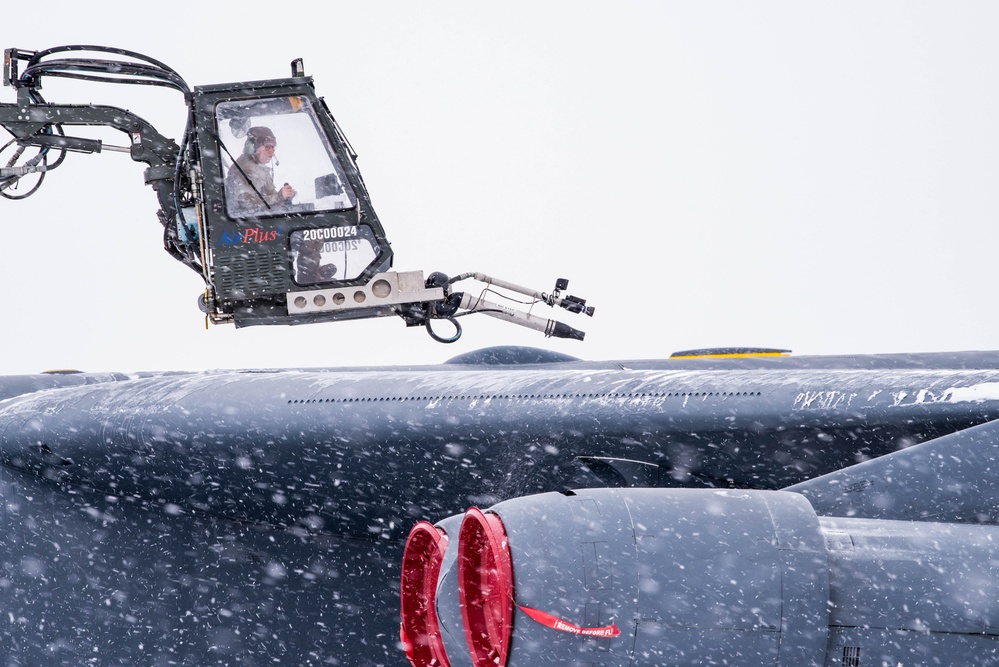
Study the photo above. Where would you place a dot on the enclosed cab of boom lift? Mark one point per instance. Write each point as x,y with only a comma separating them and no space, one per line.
262,197
283,209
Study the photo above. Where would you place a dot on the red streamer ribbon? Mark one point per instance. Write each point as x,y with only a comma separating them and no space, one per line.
564,626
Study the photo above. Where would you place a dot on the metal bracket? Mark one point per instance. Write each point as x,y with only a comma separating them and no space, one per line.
384,289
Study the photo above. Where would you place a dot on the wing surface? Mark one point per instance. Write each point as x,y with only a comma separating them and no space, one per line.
951,478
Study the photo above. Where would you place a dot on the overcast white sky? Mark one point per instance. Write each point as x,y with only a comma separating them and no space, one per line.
815,176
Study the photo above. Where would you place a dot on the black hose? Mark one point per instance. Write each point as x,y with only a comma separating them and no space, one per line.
442,339
148,72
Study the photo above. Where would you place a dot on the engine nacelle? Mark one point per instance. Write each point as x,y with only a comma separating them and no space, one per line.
695,577
646,575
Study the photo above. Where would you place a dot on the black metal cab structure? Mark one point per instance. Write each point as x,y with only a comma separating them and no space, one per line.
284,208
262,197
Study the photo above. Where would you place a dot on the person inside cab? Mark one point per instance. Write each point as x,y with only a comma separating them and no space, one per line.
249,184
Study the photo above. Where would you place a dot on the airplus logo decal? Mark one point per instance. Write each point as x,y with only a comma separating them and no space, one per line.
254,235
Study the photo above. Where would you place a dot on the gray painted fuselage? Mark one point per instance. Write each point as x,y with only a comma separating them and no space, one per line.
236,517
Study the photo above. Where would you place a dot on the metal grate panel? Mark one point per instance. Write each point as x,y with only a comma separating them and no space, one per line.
249,275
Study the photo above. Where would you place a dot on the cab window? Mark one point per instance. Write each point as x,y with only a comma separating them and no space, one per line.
277,159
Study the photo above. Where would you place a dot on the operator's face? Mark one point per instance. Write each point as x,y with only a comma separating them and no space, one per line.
264,153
